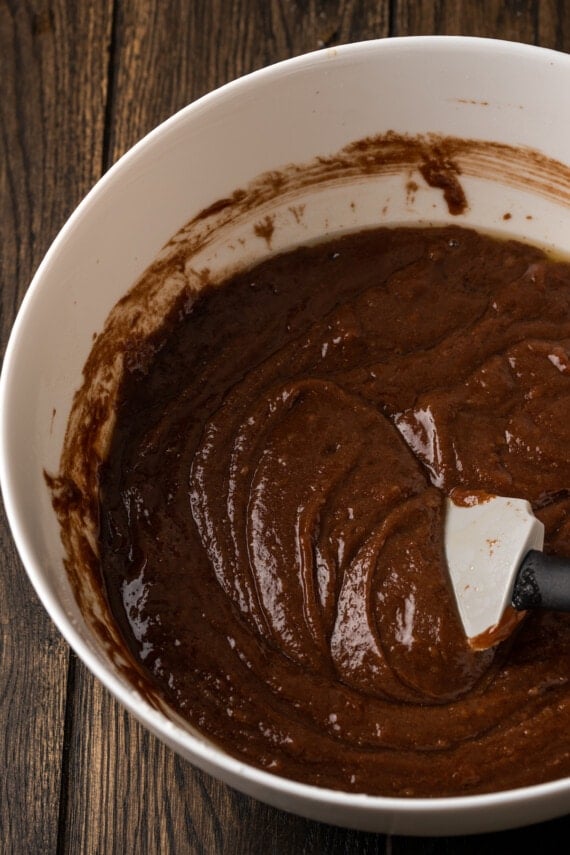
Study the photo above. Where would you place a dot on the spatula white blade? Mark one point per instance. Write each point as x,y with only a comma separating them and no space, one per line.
485,543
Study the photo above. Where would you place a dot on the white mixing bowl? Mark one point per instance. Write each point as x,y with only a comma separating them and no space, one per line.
508,105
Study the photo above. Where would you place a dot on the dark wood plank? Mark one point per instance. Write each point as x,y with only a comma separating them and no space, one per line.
553,24
515,20
542,22
53,68
33,665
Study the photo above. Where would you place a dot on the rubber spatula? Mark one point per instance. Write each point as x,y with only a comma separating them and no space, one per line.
493,547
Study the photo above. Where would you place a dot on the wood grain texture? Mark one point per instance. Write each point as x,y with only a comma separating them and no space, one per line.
81,83
553,25
53,71
515,20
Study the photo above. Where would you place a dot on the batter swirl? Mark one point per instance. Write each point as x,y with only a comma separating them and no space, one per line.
271,509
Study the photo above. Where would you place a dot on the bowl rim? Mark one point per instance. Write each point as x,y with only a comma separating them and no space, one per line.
204,753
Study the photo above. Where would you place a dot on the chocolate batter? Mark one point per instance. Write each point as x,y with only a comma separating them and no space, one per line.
271,510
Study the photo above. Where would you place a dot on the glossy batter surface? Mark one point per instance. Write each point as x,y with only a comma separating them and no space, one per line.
271,510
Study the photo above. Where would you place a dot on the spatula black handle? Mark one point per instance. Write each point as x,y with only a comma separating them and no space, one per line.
543,582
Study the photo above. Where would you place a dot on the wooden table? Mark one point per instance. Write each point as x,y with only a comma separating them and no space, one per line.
80,83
